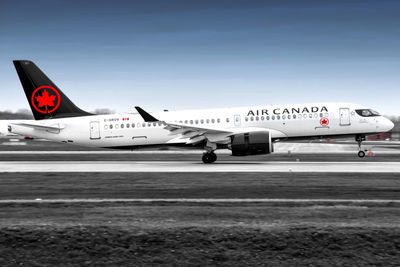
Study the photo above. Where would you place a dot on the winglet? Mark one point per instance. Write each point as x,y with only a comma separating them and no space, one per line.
146,116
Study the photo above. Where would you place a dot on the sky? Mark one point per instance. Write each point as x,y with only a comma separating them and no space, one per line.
194,54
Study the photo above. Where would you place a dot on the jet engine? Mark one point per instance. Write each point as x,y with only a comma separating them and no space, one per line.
253,143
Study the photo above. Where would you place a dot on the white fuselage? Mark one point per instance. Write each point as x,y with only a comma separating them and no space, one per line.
282,121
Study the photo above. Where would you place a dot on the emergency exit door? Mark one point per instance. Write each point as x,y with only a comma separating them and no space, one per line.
94,130
344,114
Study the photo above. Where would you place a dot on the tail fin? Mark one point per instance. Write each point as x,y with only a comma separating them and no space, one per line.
45,98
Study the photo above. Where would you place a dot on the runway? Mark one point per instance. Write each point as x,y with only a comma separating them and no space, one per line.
207,200
297,196
198,167
183,152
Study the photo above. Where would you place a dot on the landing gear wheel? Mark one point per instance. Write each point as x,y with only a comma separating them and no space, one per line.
359,139
209,157
214,156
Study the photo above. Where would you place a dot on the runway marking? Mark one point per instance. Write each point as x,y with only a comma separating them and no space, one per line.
191,152
66,152
197,166
14,143
204,200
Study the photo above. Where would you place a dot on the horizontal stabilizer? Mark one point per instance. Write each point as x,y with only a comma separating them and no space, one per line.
40,127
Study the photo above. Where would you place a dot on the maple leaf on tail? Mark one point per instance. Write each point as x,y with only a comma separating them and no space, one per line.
45,99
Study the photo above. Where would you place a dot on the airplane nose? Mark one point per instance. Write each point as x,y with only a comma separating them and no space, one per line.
388,125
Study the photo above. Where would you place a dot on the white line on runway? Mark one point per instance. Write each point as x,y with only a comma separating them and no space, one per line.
204,200
194,166
97,152
189,152
166,152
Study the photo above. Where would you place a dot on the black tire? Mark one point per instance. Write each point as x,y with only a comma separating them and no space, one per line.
209,157
214,156
361,154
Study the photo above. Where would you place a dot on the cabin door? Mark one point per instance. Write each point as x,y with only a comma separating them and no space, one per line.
344,114
94,130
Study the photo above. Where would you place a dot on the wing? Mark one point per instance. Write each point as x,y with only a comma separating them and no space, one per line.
194,135
190,134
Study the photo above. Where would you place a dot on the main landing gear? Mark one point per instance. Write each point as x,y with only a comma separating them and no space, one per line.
209,157
359,139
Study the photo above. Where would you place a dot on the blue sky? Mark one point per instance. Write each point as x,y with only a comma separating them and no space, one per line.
202,54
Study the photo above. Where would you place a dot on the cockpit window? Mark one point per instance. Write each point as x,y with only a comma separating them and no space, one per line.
367,112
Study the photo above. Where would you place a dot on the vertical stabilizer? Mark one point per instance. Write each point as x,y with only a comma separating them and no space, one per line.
46,100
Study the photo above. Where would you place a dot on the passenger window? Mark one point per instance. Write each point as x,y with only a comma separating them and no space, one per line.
262,118
105,127
138,125
252,118
197,121
278,117
111,126
191,121
179,122
305,116
273,117
294,116
148,124
315,115
213,120
208,121
218,120
201,121
321,115
122,126
283,117
144,124
116,126
326,114
288,116
133,125
257,118
246,119
267,118
310,115
227,119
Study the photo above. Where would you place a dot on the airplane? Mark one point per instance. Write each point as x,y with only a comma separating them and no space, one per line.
244,130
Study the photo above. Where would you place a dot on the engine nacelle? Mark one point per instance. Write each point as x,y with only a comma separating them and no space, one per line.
254,143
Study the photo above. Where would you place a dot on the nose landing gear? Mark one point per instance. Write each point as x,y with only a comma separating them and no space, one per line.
359,139
209,157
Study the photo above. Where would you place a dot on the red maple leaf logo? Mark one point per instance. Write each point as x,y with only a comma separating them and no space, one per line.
45,99
40,100
324,121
